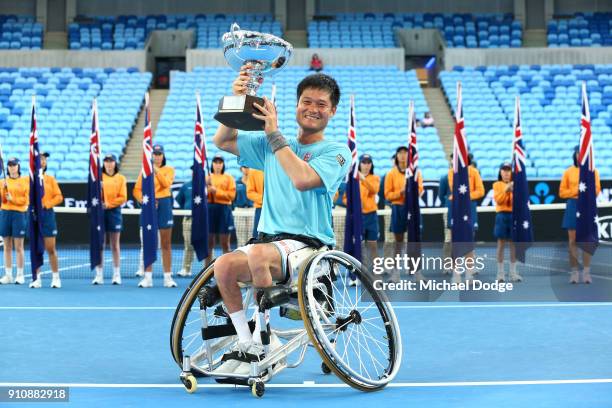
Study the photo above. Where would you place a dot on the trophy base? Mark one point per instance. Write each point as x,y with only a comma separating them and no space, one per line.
236,112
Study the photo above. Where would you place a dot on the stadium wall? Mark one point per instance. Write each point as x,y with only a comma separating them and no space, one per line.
21,7
518,56
67,58
302,56
415,6
572,6
144,7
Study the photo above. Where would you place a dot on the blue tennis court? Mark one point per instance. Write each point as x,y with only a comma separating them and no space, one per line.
110,345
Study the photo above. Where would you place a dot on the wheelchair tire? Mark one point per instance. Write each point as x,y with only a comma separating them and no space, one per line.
182,310
186,340
346,316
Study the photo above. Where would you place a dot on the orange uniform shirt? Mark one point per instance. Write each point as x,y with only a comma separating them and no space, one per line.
476,187
255,187
53,195
368,190
503,198
569,183
395,185
226,189
114,189
19,189
164,176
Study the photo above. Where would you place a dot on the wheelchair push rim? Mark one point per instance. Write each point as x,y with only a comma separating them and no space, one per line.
359,340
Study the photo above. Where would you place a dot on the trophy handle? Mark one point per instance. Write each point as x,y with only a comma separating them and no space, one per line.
234,30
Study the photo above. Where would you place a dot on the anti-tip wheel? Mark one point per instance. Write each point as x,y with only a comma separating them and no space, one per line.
190,383
258,389
325,368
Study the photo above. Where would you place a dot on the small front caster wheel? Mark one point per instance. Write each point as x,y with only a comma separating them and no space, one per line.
325,368
190,383
258,389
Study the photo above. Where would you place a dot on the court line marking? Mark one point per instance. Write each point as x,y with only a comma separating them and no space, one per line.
461,306
312,384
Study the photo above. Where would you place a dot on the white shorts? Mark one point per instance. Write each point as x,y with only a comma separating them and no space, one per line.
285,248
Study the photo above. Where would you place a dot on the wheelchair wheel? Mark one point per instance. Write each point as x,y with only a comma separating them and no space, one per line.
354,329
186,337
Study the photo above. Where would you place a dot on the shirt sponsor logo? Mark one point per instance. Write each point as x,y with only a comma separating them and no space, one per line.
307,156
340,160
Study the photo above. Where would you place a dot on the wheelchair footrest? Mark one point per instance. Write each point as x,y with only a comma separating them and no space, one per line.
222,330
235,381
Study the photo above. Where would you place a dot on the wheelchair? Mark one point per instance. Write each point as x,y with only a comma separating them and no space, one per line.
353,328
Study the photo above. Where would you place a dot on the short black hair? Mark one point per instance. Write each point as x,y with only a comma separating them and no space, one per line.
323,82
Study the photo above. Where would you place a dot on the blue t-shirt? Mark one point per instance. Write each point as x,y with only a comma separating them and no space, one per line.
285,208
184,196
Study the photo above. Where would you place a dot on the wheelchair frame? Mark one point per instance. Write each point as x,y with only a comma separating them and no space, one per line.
276,360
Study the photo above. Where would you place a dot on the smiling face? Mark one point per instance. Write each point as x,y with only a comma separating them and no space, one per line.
314,110
43,162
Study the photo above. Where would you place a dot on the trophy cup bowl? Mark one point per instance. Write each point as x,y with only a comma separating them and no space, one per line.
267,54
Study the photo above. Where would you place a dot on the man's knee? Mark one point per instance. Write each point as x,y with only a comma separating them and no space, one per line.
228,267
262,259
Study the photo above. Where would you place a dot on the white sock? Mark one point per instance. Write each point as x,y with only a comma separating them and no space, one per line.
500,268
148,275
19,271
167,275
8,270
55,275
513,268
574,269
586,269
99,270
256,332
116,270
242,327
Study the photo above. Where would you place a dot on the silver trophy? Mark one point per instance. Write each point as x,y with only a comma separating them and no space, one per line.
267,54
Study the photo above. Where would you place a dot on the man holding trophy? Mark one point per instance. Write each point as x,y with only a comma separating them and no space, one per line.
301,176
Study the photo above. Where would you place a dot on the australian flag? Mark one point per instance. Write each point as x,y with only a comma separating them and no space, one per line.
522,233
37,190
94,193
462,229
353,226
199,206
413,210
2,170
148,219
586,206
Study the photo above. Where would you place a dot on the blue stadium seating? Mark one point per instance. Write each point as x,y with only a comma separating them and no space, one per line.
131,32
550,107
376,30
63,98
582,30
381,94
20,33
